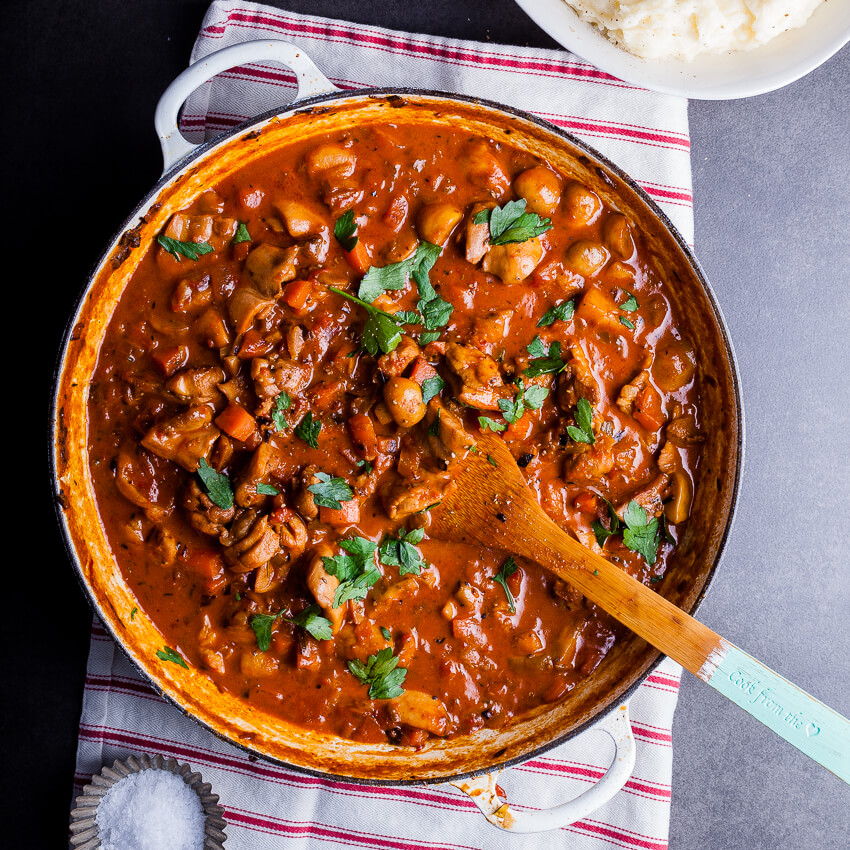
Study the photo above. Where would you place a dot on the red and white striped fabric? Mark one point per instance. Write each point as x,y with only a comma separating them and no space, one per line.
271,807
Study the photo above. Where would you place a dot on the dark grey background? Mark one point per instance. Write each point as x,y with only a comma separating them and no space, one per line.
773,231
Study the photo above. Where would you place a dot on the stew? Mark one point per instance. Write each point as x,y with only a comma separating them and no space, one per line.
293,368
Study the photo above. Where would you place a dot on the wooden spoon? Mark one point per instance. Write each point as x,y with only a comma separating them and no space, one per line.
491,505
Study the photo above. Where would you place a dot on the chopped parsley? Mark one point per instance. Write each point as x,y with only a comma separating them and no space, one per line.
511,223
382,331
386,633
401,552
308,430
344,230
172,655
602,533
395,275
486,422
191,250
501,577
330,492
281,404
427,337
560,312
310,619
641,533
133,614
242,234
432,387
217,485
544,362
364,465
582,431
381,673
491,461
356,571
528,398
630,304
262,626
624,321
267,490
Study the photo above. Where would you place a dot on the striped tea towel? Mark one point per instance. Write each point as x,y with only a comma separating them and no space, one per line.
267,806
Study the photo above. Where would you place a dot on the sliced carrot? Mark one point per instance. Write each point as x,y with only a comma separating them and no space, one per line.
396,212
421,370
362,431
297,293
170,359
236,421
324,394
254,344
348,514
208,565
648,410
358,257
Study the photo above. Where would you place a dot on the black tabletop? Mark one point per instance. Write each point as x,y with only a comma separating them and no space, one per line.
772,214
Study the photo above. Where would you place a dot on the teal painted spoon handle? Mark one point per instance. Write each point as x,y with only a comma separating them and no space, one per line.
806,723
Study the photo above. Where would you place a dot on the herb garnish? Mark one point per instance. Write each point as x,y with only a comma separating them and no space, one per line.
133,614
401,552
501,577
308,430
172,655
381,673
486,422
386,633
382,331
630,304
543,362
310,619
344,230
217,485
242,234
395,275
434,427
560,312
511,223
602,533
491,461
267,490
641,533
355,571
282,403
528,398
582,431
427,337
434,309
192,250
627,323
329,491
432,387
364,465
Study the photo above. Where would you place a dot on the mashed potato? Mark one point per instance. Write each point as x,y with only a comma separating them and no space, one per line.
683,29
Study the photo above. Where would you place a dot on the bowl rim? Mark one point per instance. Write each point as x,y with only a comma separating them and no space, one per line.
563,24
309,104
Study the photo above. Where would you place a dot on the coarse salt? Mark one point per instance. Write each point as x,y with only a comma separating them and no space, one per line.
151,810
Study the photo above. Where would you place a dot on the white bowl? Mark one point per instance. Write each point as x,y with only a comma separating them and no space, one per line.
709,77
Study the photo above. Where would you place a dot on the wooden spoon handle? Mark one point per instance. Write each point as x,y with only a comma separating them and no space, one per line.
809,725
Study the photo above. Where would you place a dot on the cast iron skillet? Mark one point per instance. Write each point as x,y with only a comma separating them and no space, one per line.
470,762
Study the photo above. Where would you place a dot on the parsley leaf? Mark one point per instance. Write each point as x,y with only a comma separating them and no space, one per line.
242,234
511,223
344,230
401,552
560,312
308,430
395,275
172,655
427,337
192,250
281,403
582,431
602,533
528,398
627,323
381,673
364,465
388,635
432,387
355,571
630,304
262,626
382,331
501,577
267,490
434,427
543,362
217,485
486,422
435,310
330,492
133,613
311,620
641,534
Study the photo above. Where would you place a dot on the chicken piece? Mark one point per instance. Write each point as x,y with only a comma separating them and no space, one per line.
591,465
482,384
192,293
210,644
650,497
262,461
185,438
323,587
215,230
422,711
437,220
270,267
628,394
331,160
513,263
668,458
583,379
271,377
204,515
405,498
135,478
482,168
196,386
304,501
451,439
300,219
394,363
250,543
682,429
245,305
291,532
477,235
490,330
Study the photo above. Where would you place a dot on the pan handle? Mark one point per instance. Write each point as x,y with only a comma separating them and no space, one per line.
484,793
310,79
